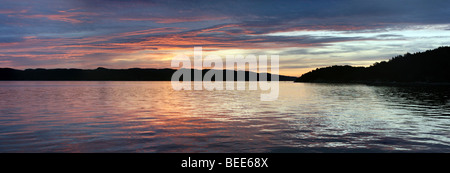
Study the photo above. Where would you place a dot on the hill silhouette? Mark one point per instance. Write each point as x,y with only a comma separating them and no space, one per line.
104,74
431,66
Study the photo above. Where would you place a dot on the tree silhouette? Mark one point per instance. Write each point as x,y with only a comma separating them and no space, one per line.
431,66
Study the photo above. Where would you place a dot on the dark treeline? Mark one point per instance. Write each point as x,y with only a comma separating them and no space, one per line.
432,66
103,74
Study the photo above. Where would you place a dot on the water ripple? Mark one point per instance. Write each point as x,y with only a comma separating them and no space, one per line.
151,117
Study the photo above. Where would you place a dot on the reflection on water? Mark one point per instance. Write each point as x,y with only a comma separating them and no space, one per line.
152,117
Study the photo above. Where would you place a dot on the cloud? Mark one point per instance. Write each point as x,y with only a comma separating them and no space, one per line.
174,20
63,16
111,31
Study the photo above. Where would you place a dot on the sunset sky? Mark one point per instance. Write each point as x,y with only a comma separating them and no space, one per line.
148,34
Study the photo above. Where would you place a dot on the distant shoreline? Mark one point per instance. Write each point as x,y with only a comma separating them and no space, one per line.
104,74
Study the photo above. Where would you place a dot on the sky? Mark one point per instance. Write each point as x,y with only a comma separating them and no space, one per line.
306,34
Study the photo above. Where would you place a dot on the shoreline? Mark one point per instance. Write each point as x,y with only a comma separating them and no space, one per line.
383,83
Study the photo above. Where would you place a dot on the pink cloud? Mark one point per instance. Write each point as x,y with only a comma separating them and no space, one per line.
64,16
175,19
7,11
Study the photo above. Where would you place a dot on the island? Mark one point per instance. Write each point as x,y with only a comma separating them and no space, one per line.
429,67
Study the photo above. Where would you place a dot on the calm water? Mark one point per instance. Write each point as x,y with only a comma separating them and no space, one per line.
152,117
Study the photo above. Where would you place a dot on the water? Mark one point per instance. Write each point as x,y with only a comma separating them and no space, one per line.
96,116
